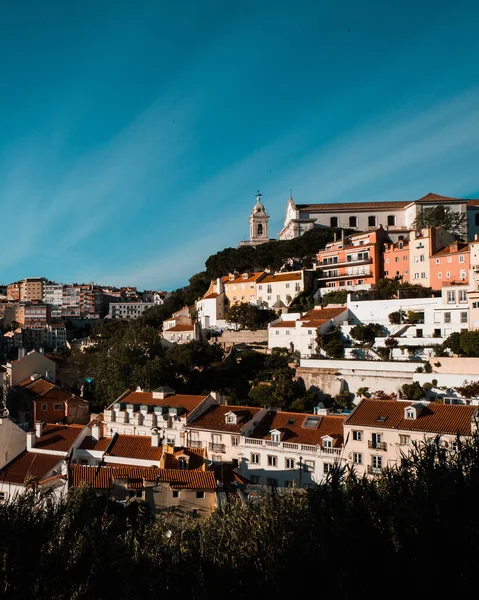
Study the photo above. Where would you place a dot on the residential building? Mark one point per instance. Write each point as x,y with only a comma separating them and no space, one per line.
53,296
450,265
473,292
14,291
13,439
8,313
394,216
242,287
36,314
71,302
298,332
278,290
27,365
128,310
379,432
422,245
211,308
396,259
258,225
32,288
352,262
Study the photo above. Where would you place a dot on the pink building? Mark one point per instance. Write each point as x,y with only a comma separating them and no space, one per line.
450,265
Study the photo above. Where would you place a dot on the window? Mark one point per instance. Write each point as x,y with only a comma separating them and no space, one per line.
416,275
327,444
462,275
176,494
449,259
334,221
462,296
44,407
357,458
404,440
287,285
289,463
410,414
275,436
58,406
447,317
182,464
269,289
327,468
272,461
277,332
421,258
371,221
353,221
255,459
416,259
391,220
200,495
358,436
439,275
423,275
451,297
234,440
215,458
272,482
231,419
3,496
462,258
309,466
377,462
419,333
448,274
464,317
397,259
287,331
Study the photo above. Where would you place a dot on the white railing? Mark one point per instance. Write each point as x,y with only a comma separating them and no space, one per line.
304,448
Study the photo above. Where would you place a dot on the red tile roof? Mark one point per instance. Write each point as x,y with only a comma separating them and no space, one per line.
196,457
39,386
292,427
434,418
29,466
214,418
275,277
58,437
239,278
458,248
323,313
102,477
285,324
187,401
125,446
180,328
212,295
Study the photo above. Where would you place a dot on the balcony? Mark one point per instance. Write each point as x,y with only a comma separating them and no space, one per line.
377,445
354,261
217,447
374,470
346,275
300,448
195,444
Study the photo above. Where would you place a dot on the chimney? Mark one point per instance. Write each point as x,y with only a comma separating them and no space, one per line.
155,438
21,353
95,432
334,238
39,428
342,236
31,440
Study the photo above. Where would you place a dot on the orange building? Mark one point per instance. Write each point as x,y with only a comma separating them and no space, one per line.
242,287
355,260
396,260
451,264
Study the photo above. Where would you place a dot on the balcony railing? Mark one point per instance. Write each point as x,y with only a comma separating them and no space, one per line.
353,261
217,447
195,444
303,448
377,445
345,275
374,470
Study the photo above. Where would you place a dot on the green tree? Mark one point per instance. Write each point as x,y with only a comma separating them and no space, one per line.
413,391
445,217
248,316
366,334
397,317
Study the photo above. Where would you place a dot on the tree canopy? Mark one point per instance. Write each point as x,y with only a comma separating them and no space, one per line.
445,217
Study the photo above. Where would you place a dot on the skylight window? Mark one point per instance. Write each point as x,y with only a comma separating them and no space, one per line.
382,419
311,422
291,422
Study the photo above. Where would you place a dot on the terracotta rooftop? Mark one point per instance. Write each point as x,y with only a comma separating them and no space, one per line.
186,401
275,277
181,328
292,426
125,446
212,295
196,457
323,313
102,477
59,438
29,466
214,418
454,248
38,386
285,324
434,418
252,277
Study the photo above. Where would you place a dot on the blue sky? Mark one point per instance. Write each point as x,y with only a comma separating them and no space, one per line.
134,135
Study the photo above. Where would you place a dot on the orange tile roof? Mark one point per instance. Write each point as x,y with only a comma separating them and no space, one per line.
187,401
196,457
323,313
285,324
39,386
214,418
293,276
461,247
103,477
125,446
58,437
239,278
212,295
292,427
435,418
29,466
180,328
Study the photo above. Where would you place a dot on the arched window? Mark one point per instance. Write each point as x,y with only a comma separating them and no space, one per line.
260,229
334,221
182,464
372,221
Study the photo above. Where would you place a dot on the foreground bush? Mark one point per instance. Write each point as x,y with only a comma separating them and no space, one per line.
351,537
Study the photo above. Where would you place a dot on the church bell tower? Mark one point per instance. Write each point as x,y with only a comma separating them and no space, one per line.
258,223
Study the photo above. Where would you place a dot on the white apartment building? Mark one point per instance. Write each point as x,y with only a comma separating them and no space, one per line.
422,245
297,332
278,290
53,295
379,432
270,447
128,310
211,308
